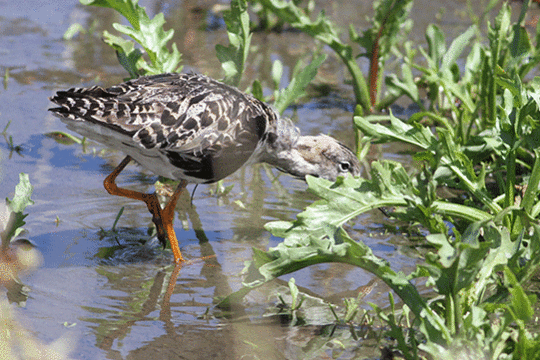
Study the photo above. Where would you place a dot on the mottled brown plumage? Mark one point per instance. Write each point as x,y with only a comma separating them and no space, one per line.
193,128
188,126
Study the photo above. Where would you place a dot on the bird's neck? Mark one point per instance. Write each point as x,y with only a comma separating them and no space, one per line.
285,154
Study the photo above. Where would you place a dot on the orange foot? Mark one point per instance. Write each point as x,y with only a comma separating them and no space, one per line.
162,218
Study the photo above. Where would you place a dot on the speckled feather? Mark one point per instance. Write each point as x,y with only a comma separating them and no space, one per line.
205,129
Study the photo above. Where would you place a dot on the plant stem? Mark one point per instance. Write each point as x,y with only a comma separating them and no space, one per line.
360,87
374,69
450,314
532,187
458,315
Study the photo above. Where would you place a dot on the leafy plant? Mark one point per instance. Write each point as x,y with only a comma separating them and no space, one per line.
148,33
377,43
13,215
234,56
16,255
302,75
9,140
484,152
296,302
461,271
476,134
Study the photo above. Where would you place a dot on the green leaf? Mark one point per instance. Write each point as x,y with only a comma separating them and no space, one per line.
234,56
149,33
64,138
295,294
23,191
448,153
436,45
126,53
73,30
531,193
301,78
405,85
521,303
277,73
12,217
398,130
257,91
456,48
128,8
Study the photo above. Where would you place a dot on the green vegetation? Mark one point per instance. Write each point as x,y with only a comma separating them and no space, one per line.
148,33
16,256
477,137
13,211
376,43
18,149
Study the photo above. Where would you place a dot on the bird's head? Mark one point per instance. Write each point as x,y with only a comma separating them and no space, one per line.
320,156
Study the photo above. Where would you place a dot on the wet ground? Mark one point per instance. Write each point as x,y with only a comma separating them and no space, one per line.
108,292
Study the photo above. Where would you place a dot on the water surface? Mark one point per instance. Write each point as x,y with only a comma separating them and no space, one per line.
122,307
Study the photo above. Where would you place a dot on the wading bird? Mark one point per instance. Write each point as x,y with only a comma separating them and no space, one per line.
192,128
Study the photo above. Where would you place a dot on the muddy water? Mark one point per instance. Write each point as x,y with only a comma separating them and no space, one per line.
122,306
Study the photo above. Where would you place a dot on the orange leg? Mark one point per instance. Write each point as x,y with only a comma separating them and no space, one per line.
167,217
163,218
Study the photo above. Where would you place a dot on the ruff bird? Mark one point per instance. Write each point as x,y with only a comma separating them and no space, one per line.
192,128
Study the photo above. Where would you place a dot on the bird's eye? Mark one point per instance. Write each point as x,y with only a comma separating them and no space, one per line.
344,166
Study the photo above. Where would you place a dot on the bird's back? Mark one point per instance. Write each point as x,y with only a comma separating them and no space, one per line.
205,129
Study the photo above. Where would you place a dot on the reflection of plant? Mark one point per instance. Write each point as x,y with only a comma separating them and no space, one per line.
9,140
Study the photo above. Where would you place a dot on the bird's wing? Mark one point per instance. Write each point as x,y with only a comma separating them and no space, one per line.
189,116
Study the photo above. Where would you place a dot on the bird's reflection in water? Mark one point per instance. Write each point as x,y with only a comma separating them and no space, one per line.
172,299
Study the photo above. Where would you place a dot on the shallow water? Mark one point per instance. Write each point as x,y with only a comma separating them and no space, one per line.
120,307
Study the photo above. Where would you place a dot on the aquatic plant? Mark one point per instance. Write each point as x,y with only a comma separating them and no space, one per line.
16,256
477,135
